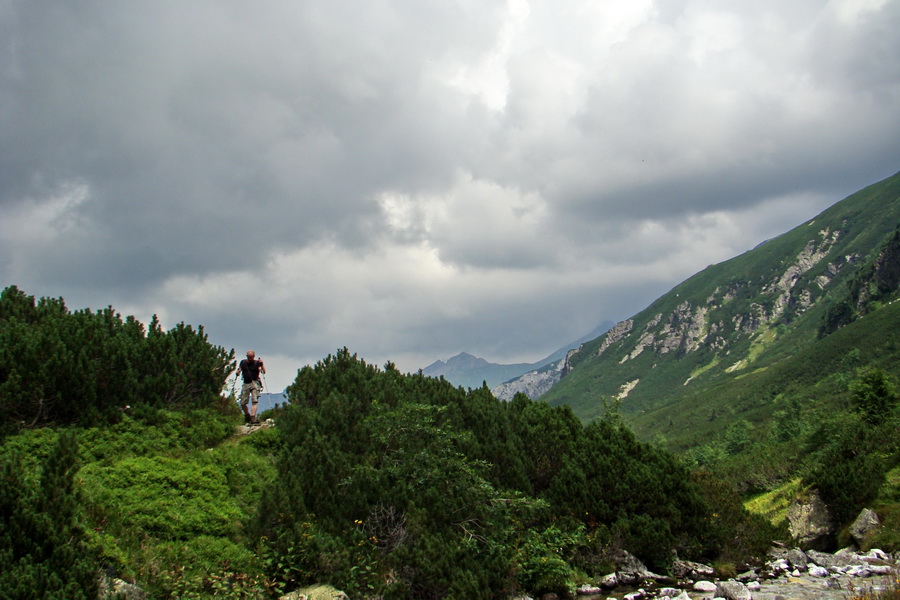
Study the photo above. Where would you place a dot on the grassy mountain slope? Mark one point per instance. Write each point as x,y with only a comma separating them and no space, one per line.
735,334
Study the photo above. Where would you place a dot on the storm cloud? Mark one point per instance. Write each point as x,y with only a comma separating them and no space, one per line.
415,179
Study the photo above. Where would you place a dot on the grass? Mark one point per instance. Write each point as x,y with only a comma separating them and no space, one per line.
774,505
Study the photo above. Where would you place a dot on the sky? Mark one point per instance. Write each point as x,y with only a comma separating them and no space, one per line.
416,179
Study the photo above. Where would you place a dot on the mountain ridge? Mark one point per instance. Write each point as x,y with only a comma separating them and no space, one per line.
738,315
471,371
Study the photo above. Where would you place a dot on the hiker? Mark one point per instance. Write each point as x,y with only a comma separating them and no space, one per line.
250,368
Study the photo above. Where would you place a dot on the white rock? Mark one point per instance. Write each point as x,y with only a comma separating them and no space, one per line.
683,596
857,571
875,554
881,569
588,590
781,565
817,571
733,590
754,586
670,592
704,586
795,573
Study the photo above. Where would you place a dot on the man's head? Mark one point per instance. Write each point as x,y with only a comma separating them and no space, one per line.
251,354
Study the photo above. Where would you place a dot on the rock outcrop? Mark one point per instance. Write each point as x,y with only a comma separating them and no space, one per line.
810,521
865,524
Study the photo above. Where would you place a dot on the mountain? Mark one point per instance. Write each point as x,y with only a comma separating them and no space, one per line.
728,342
471,372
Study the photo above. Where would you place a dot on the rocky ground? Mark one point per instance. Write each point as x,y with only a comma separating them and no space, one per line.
788,575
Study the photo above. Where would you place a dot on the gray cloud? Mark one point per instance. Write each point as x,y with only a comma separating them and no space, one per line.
416,179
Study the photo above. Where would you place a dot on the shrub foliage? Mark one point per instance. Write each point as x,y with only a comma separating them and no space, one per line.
405,486
68,367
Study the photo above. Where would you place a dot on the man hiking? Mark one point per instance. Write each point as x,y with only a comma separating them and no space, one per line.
250,368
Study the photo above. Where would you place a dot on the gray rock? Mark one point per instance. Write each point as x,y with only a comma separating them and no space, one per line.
817,571
865,524
704,586
685,569
809,520
588,590
629,563
844,558
754,586
121,590
875,555
609,581
858,571
751,575
780,566
316,592
733,590
670,592
683,596
797,558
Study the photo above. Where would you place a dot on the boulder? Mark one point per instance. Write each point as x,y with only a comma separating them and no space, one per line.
685,569
683,596
316,592
732,590
865,524
797,558
609,581
704,586
809,520
588,590
629,563
817,571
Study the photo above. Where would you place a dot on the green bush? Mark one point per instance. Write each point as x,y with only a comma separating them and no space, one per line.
404,486
166,497
42,545
77,367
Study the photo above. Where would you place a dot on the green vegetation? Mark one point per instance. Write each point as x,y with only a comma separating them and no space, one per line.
77,367
117,457
378,482
776,366
408,487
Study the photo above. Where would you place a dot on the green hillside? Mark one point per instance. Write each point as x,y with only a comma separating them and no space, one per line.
736,318
776,370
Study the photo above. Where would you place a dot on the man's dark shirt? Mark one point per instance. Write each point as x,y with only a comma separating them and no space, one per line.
250,370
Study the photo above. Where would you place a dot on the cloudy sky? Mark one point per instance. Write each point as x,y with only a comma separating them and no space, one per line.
412,179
